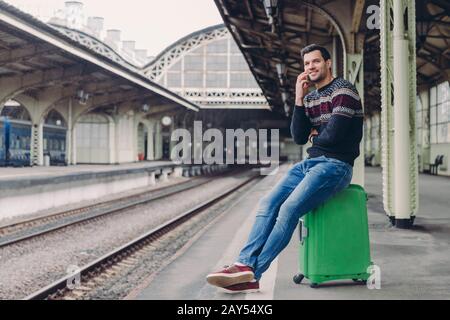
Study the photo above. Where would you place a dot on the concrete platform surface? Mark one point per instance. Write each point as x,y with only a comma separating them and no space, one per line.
29,191
414,264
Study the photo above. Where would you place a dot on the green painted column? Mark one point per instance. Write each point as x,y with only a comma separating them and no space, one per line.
398,85
355,74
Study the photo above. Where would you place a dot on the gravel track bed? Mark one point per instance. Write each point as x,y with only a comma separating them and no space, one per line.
95,211
121,284
30,265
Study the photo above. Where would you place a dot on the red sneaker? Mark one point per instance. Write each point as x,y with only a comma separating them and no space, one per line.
247,287
231,275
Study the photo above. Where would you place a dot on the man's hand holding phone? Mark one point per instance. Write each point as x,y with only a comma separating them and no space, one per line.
314,133
301,88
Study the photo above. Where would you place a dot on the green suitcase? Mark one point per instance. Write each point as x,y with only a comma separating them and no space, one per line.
334,240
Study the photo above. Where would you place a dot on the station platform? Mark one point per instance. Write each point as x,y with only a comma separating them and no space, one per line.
34,173
414,264
58,187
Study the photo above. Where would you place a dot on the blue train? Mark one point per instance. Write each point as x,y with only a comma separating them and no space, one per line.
15,143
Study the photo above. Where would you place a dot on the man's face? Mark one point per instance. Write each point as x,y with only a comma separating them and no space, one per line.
315,66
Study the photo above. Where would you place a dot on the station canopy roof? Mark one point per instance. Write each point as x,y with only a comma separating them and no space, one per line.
30,47
269,43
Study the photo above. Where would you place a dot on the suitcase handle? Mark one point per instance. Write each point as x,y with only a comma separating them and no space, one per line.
302,231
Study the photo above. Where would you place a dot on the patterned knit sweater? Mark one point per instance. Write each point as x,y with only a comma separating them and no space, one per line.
335,111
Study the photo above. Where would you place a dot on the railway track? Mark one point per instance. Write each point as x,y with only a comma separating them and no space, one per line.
113,260
33,228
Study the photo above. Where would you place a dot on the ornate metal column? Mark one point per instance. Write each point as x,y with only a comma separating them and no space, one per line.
70,136
37,144
150,138
158,143
398,85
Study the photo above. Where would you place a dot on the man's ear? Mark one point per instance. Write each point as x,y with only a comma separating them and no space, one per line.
329,64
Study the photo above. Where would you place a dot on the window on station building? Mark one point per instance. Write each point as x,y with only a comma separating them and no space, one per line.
216,80
217,63
220,46
199,51
440,113
193,63
174,79
176,66
242,80
234,48
420,120
193,80
238,63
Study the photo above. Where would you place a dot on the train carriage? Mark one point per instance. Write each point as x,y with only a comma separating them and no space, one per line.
15,143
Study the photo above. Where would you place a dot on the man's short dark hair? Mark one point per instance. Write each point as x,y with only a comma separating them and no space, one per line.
314,47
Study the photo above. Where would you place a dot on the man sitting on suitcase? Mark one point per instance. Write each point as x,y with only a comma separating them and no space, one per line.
331,118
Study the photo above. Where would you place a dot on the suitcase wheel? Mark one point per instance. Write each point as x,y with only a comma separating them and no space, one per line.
360,281
298,278
314,285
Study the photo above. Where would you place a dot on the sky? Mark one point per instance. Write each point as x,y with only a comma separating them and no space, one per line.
153,24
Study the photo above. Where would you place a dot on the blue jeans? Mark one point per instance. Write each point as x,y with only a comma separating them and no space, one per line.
307,185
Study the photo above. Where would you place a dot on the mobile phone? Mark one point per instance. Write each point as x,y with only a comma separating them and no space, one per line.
309,78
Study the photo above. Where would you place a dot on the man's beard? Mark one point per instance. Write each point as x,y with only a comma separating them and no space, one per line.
320,77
